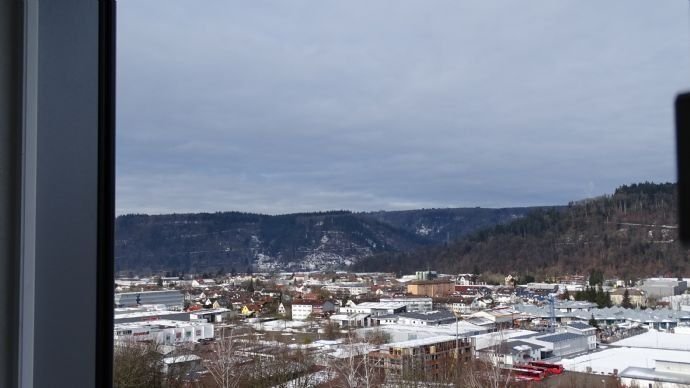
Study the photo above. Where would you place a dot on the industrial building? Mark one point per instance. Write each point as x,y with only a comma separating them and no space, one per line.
148,313
172,299
373,308
662,287
666,374
414,305
163,331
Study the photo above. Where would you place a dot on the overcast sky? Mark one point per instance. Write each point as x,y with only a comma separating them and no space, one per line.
286,106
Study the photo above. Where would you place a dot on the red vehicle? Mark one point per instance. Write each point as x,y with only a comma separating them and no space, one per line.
527,374
547,371
556,369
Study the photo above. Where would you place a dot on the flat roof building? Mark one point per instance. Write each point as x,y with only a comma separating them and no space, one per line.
414,304
665,374
163,331
172,299
662,287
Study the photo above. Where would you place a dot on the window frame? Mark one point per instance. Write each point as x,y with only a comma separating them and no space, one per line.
57,192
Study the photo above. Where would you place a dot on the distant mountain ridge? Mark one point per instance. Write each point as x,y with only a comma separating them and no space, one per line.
447,225
631,233
322,240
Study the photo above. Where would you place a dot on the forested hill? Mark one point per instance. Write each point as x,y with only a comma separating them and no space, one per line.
242,241
444,225
630,233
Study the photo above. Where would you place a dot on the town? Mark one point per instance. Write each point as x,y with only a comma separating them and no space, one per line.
343,329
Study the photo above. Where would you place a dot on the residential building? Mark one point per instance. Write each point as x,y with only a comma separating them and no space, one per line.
348,288
424,358
303,309
466,279
638,298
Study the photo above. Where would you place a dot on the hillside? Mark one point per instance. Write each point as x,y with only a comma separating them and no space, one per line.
444,225
630,233
242,241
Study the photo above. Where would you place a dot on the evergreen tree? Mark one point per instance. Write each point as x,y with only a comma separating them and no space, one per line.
600,297
591,294
596,277
626,300
250,288
607,300
593,322
565,295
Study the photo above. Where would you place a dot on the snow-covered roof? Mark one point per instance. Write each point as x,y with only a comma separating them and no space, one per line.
420,342
619,358
658,340
580,326
656,375
178,359
560,337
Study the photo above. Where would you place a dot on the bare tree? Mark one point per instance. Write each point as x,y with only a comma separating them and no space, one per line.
136,364
222,365
486,374
356,367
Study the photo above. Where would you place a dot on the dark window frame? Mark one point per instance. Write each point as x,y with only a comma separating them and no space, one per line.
57,191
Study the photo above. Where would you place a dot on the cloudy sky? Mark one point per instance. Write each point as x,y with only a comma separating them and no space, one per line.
286,106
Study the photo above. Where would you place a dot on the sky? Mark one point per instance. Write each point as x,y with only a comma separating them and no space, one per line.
291,106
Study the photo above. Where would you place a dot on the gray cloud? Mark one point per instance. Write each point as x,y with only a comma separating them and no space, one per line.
307,105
